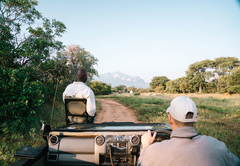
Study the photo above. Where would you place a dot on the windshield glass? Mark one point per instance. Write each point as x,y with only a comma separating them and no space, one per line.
115,127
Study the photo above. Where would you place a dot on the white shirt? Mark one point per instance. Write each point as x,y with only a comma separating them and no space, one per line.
81,90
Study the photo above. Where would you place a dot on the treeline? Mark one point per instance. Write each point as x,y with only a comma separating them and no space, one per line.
35,66
124,89
221,75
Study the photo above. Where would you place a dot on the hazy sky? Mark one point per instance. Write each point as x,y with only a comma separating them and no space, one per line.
148,38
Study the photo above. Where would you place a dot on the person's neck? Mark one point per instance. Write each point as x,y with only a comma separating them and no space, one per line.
176,127
80,81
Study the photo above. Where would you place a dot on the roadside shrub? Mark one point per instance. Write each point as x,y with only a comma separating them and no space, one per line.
234,89
136,94
21,99
100,88
141,90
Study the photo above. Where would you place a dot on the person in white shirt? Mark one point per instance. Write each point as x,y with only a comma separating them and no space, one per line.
80,90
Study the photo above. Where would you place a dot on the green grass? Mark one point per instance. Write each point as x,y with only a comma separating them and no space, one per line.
9,144
219,118
98,107
213,108
146,109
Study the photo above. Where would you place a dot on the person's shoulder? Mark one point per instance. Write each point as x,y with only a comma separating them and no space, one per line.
209,138
88,87
69,85
212,141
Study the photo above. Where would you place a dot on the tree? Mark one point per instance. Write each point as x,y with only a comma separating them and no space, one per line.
34,46
210,86
159,89
133,88
223,66
119,89
197,73
233,82
62,69
183,85
53,73
171,86
21,57
174,86
79,58
14,14
159,80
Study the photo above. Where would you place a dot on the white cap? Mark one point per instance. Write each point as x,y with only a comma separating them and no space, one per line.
179,108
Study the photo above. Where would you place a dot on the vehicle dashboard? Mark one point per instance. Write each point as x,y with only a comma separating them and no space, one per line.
112,143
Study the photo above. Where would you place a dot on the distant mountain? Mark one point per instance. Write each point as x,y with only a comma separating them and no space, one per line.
118,78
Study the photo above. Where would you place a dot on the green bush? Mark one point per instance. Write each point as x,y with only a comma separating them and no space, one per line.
100,88
21,99
234,89
136,94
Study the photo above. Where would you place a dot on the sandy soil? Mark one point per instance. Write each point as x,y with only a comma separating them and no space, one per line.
113,111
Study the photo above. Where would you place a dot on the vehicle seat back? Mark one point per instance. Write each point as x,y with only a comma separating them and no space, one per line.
75,109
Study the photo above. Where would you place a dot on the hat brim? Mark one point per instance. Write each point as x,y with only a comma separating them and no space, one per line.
168,110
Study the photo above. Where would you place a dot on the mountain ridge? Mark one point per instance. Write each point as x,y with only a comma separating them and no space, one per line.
118,78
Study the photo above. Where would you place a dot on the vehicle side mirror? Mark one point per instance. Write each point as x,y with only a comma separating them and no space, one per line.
46,128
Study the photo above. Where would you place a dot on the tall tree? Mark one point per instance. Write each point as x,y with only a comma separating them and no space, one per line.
183,84
223,66
23,45
22,51
119,88
197,73
159,81
14,14
233,83
171,86
79,58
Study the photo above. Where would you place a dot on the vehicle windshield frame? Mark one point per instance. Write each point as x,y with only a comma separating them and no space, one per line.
113,126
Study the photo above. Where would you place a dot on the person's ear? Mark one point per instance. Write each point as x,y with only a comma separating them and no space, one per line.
170,119
85,78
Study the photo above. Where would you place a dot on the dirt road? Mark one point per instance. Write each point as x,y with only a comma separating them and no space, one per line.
114,112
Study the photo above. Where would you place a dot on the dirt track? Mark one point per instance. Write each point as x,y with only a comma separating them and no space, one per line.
114,112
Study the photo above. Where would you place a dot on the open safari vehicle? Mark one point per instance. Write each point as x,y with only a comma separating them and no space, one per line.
81,142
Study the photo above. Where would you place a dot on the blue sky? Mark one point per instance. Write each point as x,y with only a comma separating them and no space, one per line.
151,37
